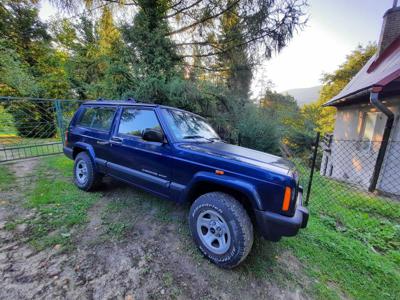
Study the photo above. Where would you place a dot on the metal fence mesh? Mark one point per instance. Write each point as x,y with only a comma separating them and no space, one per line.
31,127
341,196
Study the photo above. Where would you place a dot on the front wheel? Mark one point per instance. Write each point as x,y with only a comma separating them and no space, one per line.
221,228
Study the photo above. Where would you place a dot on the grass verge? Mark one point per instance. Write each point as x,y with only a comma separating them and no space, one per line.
6,178
352,244
59,205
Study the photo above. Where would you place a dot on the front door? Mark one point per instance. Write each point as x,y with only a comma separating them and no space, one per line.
142,163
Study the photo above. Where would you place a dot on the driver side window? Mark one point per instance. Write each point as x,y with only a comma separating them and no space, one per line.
134,121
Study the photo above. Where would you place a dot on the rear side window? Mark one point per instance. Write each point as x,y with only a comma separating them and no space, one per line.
135,121
99,118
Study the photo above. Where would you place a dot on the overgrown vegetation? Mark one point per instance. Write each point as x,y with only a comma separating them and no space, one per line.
332,83
198,56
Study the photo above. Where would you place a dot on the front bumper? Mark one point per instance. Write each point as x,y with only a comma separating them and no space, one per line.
273,225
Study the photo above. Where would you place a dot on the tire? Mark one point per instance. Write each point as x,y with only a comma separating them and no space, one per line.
85,176
221,229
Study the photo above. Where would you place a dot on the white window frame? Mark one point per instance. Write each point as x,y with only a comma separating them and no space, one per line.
363,130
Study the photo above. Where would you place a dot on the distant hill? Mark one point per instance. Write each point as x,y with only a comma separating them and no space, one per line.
304,95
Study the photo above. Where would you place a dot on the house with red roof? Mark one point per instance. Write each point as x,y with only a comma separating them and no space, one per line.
364,148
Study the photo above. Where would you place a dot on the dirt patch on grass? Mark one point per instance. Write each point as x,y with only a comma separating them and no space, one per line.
24,168
133,247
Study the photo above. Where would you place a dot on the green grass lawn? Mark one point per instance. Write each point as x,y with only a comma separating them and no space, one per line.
6,122
352,243
349,250
60,206
6,178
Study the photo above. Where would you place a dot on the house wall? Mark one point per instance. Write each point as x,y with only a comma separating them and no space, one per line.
352,160
389,181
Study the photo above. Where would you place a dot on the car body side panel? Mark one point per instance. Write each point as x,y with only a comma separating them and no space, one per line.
144,163
226,181
186,165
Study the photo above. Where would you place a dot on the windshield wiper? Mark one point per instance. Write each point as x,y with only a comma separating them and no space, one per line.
215,139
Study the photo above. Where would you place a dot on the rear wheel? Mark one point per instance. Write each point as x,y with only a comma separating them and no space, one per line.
221,228
85,176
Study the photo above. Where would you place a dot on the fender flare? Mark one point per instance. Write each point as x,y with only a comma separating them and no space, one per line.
89,149
226,181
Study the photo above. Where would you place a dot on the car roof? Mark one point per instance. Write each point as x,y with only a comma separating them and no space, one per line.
101,102
117,102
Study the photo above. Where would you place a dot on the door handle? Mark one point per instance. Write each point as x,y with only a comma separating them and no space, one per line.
116,140
103,142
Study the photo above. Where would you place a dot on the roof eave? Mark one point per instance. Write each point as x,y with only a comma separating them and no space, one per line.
334,102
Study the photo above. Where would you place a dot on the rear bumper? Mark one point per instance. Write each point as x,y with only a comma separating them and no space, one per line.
273,225
68,152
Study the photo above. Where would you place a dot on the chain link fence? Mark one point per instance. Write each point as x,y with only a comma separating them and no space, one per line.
340,195
31,127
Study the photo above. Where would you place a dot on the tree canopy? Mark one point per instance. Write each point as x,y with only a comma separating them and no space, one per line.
333,83
197,55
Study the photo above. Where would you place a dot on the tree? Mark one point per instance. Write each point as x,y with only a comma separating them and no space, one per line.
30,67
257,131
333,83
279,106
313,118
234,61
197,55
15,78
152,54
266,25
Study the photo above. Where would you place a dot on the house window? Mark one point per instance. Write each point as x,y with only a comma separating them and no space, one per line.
367,129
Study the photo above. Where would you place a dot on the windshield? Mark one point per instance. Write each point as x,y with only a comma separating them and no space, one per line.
186,126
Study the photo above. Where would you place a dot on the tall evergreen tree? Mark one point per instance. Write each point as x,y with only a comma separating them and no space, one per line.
235,59
152,52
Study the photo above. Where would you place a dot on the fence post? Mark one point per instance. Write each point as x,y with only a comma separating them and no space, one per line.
60,119
314,158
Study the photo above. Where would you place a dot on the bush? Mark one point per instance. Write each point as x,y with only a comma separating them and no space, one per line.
33,119
257,131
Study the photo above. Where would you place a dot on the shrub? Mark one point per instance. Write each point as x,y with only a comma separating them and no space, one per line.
257,131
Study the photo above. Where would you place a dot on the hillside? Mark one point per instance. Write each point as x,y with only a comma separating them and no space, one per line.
304,95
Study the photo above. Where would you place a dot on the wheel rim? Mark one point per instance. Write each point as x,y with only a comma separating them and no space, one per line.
214,232
81,172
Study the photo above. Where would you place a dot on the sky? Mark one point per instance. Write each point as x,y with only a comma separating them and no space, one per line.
334,30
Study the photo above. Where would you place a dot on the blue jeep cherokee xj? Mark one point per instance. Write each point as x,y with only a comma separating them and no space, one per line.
177,155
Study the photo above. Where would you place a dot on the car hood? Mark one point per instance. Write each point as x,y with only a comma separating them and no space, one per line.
242,154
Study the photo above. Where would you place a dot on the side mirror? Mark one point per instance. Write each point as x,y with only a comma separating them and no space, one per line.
153,135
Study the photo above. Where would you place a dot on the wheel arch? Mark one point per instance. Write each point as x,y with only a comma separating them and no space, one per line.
244,192
83,147
76,151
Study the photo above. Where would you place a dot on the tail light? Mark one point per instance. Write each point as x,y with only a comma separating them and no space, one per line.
65,137
286,199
